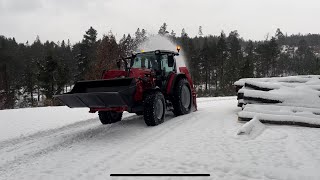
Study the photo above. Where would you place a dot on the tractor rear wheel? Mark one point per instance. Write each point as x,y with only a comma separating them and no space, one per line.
182,98
109,117
154,108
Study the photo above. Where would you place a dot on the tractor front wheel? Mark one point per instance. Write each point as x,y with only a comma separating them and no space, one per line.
154,108
182,98
109,117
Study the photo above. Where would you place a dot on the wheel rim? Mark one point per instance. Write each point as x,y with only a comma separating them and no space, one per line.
185,97
159,109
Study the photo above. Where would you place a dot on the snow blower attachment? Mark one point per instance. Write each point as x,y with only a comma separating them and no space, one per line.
148,85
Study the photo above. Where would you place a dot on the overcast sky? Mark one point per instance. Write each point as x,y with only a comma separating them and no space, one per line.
69,19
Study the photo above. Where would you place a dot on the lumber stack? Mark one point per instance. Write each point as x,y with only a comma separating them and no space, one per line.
293,100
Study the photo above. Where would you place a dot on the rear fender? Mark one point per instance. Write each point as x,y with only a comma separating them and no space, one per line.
173,79
184,73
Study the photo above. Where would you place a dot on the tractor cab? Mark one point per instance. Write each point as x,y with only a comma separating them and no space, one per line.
162,62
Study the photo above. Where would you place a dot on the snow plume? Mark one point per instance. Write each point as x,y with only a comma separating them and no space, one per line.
157,42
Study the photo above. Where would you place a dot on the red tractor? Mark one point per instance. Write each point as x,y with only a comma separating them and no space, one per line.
148,85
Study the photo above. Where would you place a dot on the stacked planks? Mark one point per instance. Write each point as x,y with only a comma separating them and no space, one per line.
293,100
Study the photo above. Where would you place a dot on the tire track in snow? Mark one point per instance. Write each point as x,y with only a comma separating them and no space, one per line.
21,151
144,140
46,142
114,156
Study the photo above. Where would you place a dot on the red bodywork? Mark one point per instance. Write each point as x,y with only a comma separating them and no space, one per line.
138,74
145,79
194,94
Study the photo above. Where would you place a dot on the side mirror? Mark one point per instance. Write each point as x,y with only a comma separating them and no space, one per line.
119,63
132,59
103,72
143,63
170,61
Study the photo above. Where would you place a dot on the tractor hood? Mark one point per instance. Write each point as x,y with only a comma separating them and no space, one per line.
133,73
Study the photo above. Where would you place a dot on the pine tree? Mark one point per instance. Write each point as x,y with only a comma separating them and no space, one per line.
273,55
204,59
30,80
163,30
143,35
200,31
126,45
87,53
306,58
248,66
47,76
262,59
222,55
234,62
280,37
107,55
183,33
3,85
140,36
173,34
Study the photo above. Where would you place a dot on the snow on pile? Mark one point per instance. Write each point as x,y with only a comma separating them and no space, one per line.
269,85
21,122
252,128
298,96
288,93
282,114
289,79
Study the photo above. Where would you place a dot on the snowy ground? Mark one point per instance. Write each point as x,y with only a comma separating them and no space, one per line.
61,143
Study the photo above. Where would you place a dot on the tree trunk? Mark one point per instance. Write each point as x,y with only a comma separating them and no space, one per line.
32,103
206,79
38,94
4,87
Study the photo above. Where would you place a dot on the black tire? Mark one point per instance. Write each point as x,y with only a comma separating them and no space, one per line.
109,117
139,113
154,108
182,98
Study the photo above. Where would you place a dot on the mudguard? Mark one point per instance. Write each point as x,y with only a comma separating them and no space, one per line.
174,78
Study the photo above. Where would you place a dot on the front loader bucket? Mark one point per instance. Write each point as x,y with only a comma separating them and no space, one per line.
100,93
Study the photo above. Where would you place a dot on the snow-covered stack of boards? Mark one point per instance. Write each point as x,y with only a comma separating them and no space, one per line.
293,100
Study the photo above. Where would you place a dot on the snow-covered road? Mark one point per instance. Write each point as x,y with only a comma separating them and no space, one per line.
201,142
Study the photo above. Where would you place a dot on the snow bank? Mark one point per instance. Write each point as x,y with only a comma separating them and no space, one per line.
21,122
252,128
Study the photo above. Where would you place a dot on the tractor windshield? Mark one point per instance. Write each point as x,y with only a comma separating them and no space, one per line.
150,60
145,60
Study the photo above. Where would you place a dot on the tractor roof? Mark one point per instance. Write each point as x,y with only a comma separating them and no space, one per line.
160,52
156,52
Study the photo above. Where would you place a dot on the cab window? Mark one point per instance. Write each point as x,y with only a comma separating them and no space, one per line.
164,64
147,60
